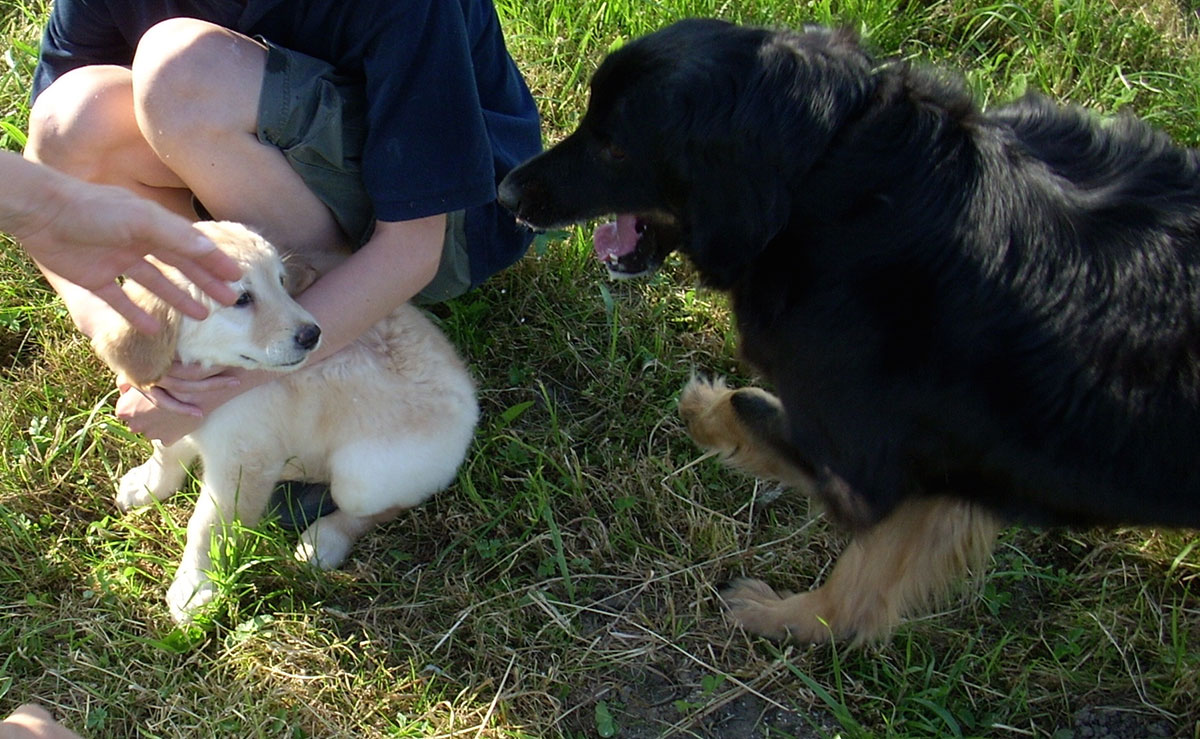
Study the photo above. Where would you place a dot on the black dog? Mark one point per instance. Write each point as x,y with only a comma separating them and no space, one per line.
968,317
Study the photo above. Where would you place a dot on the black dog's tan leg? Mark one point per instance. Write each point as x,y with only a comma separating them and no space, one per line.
890,570
896,568
747,426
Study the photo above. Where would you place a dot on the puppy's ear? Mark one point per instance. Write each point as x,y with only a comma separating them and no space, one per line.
738,203
298,275
140,358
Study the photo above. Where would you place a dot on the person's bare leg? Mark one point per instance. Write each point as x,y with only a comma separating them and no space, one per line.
83,124
196,88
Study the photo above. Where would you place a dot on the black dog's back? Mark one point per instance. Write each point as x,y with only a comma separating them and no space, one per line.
1015,320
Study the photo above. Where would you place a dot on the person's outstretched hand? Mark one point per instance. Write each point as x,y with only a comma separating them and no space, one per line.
91,234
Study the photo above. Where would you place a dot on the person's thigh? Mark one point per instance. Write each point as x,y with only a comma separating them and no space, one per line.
84,124
189,74
196,90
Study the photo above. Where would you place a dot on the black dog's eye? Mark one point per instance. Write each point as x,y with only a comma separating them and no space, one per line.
244,299
614,152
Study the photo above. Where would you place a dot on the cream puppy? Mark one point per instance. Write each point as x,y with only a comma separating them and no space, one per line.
386,421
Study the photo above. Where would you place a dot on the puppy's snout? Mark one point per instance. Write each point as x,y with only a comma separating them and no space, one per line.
307,336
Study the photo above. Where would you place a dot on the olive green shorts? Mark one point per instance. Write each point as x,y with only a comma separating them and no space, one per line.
316,117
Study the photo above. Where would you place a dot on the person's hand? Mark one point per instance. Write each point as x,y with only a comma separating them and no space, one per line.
32,722
92,234
177,404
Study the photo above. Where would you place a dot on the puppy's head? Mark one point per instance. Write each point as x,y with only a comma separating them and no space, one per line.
265,329
694,136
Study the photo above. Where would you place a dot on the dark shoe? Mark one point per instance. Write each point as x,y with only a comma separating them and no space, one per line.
299,504
201,212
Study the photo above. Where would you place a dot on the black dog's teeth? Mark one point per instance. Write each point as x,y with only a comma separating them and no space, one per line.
640,226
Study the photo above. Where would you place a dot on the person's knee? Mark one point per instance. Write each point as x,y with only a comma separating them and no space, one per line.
80,117
180,83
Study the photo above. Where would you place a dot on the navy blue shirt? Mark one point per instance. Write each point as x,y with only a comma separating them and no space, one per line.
448,114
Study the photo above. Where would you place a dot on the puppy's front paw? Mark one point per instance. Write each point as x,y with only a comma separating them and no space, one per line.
760,610
133,490
190,592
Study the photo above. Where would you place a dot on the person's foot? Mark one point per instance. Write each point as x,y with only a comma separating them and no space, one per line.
298,504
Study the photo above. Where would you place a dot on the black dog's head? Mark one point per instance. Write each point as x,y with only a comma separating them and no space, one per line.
694,138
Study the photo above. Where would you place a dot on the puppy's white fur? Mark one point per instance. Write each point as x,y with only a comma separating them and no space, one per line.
386,421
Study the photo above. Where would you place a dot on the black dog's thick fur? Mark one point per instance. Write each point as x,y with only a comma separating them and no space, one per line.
968,317
1000,306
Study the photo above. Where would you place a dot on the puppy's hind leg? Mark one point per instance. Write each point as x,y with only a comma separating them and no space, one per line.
372,482
327,541
894,569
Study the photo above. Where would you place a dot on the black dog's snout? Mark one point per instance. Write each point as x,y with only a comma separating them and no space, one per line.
307,336
509,194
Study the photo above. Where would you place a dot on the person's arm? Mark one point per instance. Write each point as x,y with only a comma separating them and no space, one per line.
400,259
85,236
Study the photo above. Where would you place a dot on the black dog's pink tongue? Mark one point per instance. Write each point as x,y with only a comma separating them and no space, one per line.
616,239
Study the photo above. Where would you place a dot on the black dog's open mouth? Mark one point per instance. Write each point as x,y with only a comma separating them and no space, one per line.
634,245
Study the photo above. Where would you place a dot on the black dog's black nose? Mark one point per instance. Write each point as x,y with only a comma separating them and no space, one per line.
509,193
307,336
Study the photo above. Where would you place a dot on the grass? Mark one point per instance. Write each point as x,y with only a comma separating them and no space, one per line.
565,585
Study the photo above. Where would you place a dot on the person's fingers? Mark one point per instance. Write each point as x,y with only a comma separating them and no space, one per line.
36,722
120,302
32,711
187,391
219,290
148,276
159,397
209,272
157,415
195,371
175,241
204,264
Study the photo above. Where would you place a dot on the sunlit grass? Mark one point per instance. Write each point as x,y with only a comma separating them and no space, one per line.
565,585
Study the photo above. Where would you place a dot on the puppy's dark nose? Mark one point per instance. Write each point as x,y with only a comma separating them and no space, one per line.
307,336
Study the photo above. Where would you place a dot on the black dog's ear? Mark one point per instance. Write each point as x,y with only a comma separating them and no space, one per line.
760,112
738,203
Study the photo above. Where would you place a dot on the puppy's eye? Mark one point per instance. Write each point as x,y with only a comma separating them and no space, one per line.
244,299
